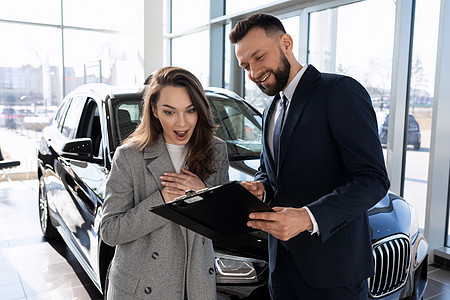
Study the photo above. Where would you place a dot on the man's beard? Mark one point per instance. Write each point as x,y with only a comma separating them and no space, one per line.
281,77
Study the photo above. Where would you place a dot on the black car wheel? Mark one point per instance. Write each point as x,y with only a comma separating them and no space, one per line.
47,227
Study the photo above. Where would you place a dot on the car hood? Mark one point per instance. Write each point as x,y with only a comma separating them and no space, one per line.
391,215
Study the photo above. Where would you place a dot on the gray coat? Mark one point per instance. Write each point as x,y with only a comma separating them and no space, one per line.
154,256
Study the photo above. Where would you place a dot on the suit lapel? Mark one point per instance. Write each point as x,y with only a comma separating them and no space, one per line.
302,94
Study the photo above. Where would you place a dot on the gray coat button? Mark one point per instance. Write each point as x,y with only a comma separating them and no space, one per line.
155,255
148,290
211,271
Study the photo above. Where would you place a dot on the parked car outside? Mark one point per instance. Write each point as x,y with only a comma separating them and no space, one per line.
414,136
75,156
13,118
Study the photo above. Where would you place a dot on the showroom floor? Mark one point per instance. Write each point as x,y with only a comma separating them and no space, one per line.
32,268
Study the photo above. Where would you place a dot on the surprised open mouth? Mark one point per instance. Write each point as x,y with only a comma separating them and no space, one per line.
181,134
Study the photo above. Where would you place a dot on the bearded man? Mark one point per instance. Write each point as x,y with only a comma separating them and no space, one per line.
321,168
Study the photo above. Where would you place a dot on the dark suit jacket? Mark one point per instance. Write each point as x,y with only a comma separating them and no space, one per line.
330,161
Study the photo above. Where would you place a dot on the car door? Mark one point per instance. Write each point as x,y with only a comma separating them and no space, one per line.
84,180
49,148
58,182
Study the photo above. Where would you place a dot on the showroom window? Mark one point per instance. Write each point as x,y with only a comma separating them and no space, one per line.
115,15
92,57
29,72
190,37
189,14
354,40
42,11
234,6
420,106
92,41
228,56
192,53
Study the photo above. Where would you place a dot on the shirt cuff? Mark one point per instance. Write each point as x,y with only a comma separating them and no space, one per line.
314,222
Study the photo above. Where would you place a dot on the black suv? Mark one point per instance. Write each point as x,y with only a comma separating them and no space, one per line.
75,156
414,136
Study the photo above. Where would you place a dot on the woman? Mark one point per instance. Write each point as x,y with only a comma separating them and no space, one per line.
171,151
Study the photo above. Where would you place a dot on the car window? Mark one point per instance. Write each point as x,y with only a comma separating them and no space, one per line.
90,127
73,116
61,114
239,126
127,116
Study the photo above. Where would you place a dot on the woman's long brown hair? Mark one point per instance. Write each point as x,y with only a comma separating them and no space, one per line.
200,156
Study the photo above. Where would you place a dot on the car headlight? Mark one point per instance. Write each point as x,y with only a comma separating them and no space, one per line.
236,269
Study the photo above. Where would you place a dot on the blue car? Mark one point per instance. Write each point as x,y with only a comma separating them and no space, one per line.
414,136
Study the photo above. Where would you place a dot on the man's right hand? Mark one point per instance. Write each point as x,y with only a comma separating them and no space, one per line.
254,187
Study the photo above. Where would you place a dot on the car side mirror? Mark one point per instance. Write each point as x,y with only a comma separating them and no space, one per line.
80,149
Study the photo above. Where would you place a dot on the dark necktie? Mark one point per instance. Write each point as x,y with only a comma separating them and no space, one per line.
278,128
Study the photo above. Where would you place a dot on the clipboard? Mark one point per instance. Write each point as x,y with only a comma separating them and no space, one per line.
217,213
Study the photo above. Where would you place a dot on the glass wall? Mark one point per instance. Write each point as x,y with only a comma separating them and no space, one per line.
117,15
43,11
190,44
354,40
192,53
189,14
91,57
92,41
421,93
234,6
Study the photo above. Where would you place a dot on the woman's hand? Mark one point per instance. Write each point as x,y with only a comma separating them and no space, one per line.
176,184
170,194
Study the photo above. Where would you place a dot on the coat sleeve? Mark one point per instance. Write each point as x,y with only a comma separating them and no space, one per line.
353,125
122,220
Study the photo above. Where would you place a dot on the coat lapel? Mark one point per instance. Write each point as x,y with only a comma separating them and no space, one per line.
158,159
302,94
160,162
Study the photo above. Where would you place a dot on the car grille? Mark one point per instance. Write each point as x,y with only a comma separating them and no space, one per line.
392,260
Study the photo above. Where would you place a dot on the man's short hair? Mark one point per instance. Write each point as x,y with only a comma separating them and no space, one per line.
268,22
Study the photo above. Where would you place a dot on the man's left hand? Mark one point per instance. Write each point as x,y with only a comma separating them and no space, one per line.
284,224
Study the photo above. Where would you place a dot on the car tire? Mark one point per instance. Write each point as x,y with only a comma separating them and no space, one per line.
48,230
416,146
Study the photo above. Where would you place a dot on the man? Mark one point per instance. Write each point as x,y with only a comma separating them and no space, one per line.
321,168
